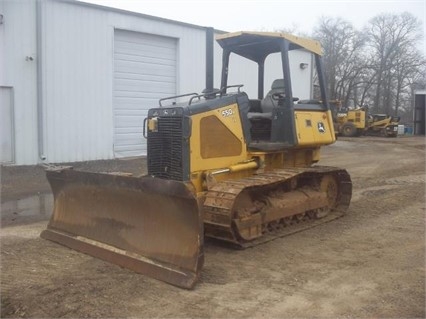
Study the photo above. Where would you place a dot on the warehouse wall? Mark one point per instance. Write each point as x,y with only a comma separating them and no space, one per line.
76,67
74,119
18,78
78,74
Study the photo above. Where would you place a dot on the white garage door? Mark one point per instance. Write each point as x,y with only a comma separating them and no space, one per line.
144,72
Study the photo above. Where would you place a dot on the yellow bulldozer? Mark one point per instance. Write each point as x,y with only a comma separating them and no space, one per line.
220,165
358,121
382,125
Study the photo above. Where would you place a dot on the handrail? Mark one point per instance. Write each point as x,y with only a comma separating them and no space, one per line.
205,94
239,86
174,97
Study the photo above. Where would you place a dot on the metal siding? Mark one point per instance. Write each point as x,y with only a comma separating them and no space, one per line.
301,79
77,88
7,122
17,42
190,48
192,62
78,63
144,72
77,74
2,45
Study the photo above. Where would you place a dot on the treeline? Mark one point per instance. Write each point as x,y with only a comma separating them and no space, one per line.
379,66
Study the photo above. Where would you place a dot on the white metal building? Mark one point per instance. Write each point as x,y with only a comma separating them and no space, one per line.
419,112
76,79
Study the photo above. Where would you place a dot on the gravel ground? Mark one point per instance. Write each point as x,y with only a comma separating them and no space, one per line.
370,263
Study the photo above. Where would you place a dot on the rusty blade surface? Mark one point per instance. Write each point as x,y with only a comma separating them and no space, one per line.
149,225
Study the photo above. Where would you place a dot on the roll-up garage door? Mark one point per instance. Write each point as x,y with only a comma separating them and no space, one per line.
144,72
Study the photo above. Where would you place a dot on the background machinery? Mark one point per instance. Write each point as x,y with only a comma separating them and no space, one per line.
382,125
358,121
349,122
220,165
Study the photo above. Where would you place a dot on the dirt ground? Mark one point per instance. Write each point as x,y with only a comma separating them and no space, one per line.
369,263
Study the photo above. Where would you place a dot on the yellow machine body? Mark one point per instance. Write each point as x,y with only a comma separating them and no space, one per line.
352,122
357,117
383,125
356,122
226,155
220,165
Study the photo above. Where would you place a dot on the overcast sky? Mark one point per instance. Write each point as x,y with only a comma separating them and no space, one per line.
268,15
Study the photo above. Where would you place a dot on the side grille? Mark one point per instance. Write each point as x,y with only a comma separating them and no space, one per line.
165,149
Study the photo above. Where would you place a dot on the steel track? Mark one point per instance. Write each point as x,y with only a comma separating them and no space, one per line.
220,200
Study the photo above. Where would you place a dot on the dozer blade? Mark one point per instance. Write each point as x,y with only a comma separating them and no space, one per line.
149,225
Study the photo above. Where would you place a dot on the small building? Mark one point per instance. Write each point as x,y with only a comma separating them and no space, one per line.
77,79
419,112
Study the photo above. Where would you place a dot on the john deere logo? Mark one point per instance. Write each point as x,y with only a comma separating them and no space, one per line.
321,127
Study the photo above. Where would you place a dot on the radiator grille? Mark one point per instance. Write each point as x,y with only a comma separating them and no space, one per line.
165,149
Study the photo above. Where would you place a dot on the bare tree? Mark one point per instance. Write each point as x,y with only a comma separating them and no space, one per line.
376,67
390,38
343,47
410,67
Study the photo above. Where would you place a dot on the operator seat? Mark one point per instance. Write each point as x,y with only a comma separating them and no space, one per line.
268,103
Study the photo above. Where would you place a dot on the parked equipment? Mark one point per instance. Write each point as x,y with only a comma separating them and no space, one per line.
349,122
358,121
220,165
382,125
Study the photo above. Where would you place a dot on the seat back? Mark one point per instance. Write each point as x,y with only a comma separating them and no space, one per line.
268,104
